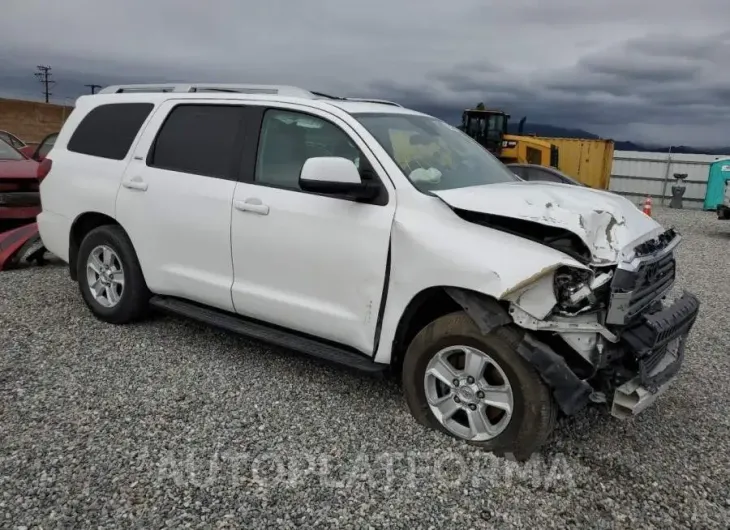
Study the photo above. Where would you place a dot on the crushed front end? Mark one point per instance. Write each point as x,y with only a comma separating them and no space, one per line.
618,334
652,328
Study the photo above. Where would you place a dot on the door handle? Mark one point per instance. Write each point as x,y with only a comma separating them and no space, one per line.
252,205
135,183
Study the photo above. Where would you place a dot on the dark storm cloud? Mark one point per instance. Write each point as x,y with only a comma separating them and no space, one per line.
647,70
640,71
680,87
642,68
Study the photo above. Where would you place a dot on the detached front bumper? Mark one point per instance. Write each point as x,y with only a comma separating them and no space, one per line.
655,351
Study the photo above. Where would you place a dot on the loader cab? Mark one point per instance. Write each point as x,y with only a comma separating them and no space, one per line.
487,127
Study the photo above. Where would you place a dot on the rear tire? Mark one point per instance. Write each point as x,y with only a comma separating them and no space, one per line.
529,411
99,278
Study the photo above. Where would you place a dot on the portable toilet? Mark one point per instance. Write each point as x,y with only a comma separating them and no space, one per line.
719,173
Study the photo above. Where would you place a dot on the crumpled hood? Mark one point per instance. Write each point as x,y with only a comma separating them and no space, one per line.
604,221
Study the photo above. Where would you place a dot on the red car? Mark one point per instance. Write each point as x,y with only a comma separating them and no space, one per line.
20,203
20,200
36,153
16,142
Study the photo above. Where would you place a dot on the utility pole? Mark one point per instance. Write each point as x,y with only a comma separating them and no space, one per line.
44,76
93,88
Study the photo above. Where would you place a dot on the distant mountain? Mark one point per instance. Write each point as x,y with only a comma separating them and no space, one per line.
553,131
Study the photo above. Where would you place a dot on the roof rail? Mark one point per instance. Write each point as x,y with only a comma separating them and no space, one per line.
274,90
369,100
278,90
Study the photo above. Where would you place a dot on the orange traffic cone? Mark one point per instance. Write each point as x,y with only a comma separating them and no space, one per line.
647,206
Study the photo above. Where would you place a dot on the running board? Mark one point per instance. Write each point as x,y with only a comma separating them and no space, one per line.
265,333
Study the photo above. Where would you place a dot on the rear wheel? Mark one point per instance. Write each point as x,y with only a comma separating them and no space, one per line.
477,387
110,278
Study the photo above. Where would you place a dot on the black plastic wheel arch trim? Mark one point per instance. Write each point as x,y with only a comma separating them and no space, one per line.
570,392
485,312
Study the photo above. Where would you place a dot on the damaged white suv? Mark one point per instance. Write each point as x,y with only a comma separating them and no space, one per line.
373,236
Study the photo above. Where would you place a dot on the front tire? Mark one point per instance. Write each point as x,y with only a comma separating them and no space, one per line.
477,387
110,277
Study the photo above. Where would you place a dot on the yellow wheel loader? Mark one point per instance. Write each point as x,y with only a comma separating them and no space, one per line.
489,128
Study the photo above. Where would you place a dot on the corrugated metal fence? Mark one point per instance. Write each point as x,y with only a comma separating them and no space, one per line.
637,174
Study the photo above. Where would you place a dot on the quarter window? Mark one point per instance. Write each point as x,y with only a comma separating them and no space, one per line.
109,130
199,139
288,139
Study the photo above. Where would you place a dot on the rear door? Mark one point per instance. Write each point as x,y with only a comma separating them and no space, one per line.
175,199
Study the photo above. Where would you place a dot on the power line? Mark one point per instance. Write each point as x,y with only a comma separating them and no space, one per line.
44,76
93,88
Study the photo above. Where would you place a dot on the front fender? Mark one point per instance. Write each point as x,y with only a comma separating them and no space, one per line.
445,251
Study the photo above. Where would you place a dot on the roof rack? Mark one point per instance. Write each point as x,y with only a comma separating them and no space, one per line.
276,90
369,100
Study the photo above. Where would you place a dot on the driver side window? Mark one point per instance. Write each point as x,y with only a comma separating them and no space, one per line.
289,138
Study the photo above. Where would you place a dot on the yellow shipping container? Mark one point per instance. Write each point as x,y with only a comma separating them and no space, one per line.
588,161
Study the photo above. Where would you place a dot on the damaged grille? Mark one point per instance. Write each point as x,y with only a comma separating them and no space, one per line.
652,280
633,291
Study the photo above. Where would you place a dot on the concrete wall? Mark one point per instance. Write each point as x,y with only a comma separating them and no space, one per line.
31,121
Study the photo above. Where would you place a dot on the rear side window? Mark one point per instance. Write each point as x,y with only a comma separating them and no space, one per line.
109,130
199,139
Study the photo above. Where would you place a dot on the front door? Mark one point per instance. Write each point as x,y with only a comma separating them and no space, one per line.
311,263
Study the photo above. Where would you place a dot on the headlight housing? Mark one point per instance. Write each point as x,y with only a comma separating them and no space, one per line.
578,290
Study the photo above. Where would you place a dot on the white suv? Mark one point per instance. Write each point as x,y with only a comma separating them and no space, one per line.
370,235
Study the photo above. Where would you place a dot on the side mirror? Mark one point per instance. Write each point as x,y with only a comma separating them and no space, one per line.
333,175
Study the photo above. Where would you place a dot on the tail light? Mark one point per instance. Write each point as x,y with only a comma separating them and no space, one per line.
44,168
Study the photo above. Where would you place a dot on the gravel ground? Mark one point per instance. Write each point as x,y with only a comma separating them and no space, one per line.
168,423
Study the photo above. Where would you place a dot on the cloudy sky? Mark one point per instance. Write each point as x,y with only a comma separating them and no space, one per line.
644,70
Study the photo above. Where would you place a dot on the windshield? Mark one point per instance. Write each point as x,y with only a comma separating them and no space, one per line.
433,155
7,152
